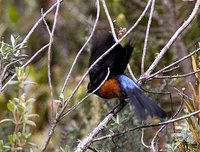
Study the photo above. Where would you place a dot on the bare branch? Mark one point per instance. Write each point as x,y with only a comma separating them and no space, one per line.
173,64
49,58
176,76
171,69
109,20
45,23
49,61
7,67
81,50
173,38
85,143
151,125
163,127
142,139
76,105
147,36
37,23
131,73
153,147
60,113
137,22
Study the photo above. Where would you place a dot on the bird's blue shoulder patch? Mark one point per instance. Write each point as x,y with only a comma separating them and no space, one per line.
127,83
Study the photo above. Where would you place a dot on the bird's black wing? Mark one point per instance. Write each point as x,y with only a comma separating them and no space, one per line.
102,41
116,59
123,59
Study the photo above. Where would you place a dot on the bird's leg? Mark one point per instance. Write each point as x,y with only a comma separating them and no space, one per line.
118,107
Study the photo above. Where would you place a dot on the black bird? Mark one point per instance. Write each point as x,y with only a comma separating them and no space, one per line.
118,84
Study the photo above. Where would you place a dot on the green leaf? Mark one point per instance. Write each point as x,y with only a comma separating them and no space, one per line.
31,123
12,39
16,100
1,143
13,14
27,135
29,82
31,100
19,134
11,107
13,82
32,115
7,147
20,109
19,148
61,97
28,109
195,68
11,139
57,101
32,144
116,120
6,120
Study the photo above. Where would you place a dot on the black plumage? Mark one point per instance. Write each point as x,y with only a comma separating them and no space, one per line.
117,59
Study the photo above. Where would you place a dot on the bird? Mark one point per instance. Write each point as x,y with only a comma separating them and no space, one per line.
117,84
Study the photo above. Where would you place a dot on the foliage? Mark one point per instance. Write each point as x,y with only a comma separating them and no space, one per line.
20,107
11,55
187,136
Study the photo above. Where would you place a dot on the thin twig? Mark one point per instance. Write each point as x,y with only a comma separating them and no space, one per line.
172,110
148,126
49,58
7,66
131,73
37,23
76,105
51,33
171,65
176,76
81,50
45,23
171,69
59,114
82,146
153,148
182,94
109,20
85,143
164,126
142,139
92,149
147,36
173,38
48,63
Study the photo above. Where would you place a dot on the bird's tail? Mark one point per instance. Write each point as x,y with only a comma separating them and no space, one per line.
143,104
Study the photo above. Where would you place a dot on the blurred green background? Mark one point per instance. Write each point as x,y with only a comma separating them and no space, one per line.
74,25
